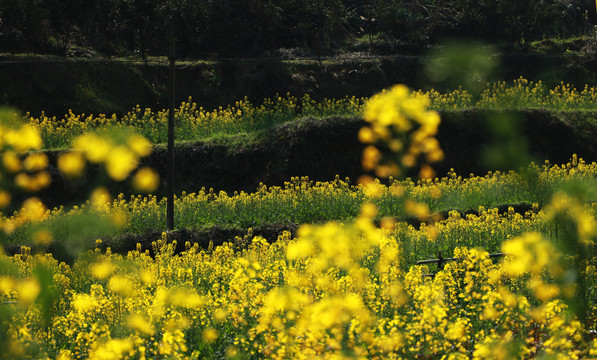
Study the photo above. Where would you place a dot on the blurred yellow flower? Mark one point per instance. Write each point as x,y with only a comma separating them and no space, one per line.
102,269
71,164
64,355
371,157
33,183
369,210
366,135
140,145
84,302
33,209
220,314
400,119
36,162
186,298
7,283
96,148
28,290
418,209
300,249
100,197
121,285
209,335
146,180
11,162
112,349
4,198
120,162
25,138
42,237
139,323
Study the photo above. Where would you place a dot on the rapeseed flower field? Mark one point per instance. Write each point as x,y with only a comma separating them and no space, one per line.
342,288
194,122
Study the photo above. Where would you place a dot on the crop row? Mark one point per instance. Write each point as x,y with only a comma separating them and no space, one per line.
194,122
302,201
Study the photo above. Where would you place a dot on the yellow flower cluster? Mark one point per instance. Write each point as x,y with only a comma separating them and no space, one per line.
118,151
22,169
333,292
400,122
26,169
349,106
119,157
528,94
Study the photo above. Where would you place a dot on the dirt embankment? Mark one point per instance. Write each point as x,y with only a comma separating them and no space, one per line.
55,85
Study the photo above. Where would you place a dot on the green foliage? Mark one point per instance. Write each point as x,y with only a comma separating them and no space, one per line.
462,64
525,21
412,19
235,27
513,21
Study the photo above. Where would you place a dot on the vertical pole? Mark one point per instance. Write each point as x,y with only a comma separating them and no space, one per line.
170,183
595,26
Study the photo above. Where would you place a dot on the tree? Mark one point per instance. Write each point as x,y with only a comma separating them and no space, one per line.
318,24
412,19
526,21
62,16
22,25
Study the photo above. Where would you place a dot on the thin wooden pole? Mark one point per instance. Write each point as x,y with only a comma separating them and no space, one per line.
170,183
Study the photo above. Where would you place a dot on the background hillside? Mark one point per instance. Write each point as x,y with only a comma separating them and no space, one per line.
261,27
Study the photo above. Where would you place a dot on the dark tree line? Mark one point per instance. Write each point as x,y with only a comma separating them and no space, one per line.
253,27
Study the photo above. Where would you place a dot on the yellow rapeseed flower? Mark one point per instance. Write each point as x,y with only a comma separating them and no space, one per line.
11,162
100,197
121,285
120,161
146,180
96,148
139,323
28,290
71,164
4,198
209,335
140,145
35,162
102,270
